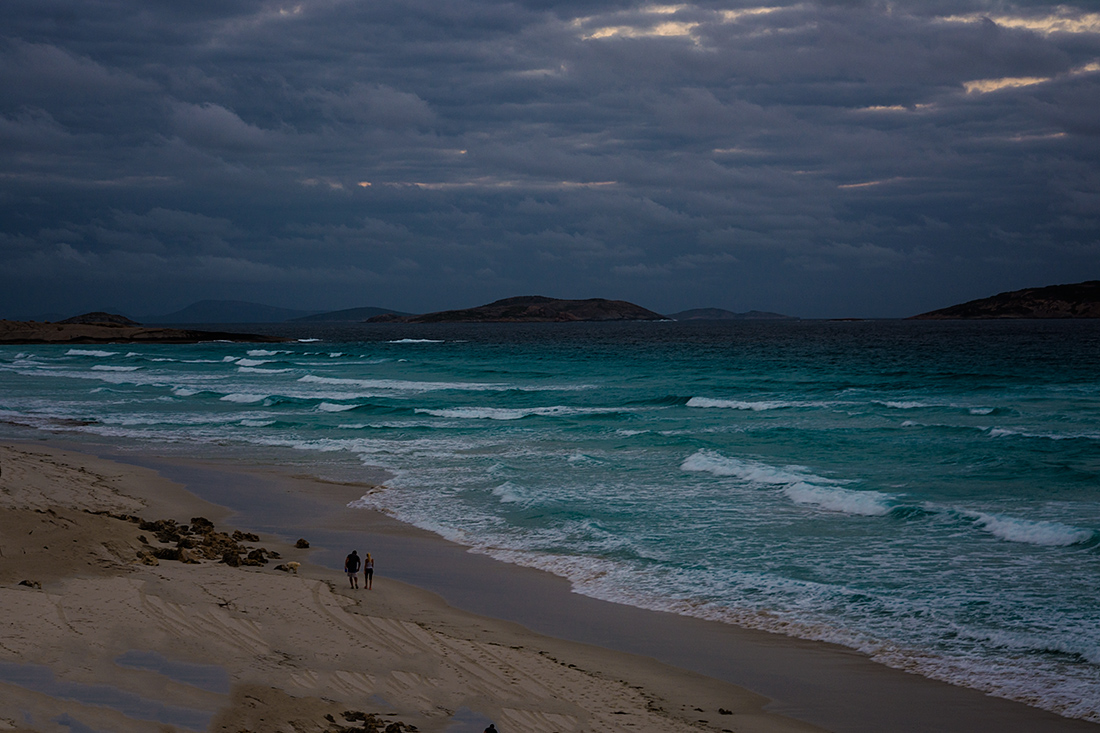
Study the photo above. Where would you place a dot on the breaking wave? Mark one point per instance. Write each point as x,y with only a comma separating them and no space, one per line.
1030,531
90,352
756,405
504,413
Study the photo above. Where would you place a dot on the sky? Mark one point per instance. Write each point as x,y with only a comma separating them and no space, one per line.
828,158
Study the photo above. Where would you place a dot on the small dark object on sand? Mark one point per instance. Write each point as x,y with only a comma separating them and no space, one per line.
31,584
302,544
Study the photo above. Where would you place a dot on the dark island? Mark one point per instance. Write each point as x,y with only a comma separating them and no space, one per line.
534,309
1078,300
108,328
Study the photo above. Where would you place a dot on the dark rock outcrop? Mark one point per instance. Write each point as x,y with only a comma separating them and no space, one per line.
35,332
1078,300
100,318
535,309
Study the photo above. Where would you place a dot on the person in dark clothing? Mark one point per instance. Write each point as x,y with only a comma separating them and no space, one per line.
491,729
351,567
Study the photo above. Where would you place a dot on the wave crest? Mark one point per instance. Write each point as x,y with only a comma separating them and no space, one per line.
836,499
1031,531
755,406
514,413
89,352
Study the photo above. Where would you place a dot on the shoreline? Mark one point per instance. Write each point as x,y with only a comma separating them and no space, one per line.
817,682
97,640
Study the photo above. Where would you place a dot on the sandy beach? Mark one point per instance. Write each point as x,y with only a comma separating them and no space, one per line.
99,636
96,639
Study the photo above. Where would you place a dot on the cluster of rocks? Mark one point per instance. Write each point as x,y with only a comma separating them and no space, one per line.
372,723
197,541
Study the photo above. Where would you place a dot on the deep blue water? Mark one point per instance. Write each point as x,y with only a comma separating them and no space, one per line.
925,492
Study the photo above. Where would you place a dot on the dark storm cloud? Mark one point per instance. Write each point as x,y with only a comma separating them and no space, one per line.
817,158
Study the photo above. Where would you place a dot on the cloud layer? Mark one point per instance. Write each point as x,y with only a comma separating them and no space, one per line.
827,158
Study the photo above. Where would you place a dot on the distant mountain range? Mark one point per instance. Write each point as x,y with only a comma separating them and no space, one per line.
228,311
534,309
527,308
718,314
1078,300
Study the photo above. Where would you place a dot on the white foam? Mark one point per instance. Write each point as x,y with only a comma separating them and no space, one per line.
505,413
836,499
184,391
403,385
756,406
89,352
252,362
243,398
981,410
417,341
801,486
332,407
335,354
265,352
101,368
1006,433
308,341
1030,531
257,423
709,461
904,405
506,492
255,370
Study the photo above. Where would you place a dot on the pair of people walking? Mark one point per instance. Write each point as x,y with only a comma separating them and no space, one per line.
352,563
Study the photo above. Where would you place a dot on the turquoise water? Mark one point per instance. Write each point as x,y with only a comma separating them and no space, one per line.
924,492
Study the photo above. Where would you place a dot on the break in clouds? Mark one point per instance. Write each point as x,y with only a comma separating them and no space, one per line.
826,158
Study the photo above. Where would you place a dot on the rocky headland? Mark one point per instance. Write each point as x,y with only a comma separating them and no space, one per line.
1077,300
107,328
534,309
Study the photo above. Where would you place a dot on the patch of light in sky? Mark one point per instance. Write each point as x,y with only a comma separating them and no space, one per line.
1066,21
643,29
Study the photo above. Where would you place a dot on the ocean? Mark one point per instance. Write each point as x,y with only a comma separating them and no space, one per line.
925,492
